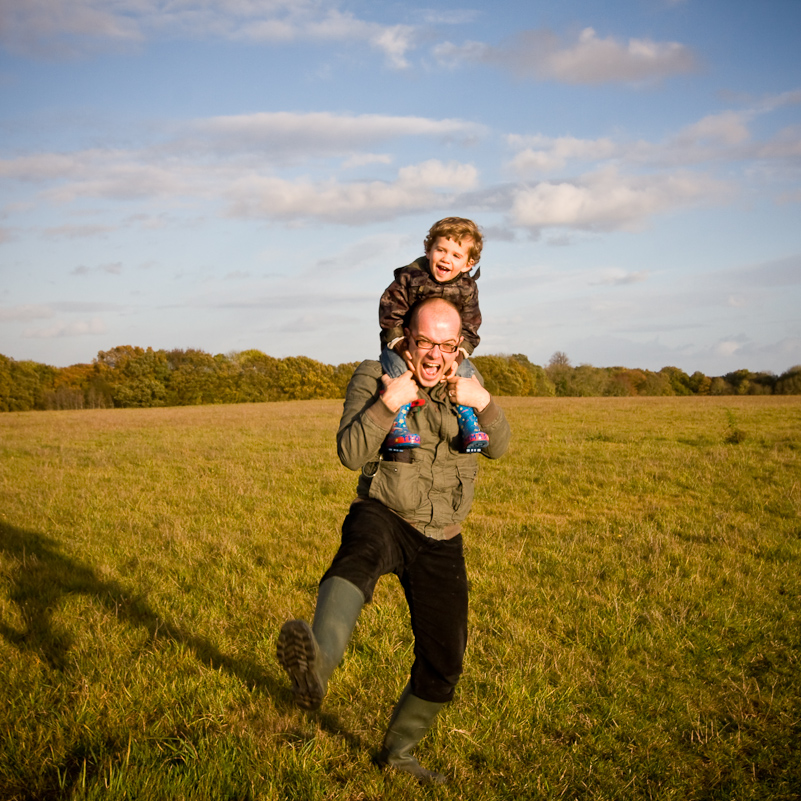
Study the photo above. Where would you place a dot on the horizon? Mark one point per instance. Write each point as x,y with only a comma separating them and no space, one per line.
543,365
250,175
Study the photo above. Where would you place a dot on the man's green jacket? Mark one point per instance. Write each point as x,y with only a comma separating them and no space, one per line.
435,489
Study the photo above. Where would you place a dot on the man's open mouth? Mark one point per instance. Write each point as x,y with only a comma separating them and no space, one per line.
430,370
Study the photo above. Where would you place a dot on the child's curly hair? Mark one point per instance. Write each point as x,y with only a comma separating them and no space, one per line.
457,228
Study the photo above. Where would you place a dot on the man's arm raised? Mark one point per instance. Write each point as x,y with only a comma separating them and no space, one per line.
368,413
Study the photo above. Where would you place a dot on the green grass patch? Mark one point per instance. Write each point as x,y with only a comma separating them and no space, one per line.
635,623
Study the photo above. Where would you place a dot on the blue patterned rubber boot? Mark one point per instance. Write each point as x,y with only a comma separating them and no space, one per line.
399,437
473,438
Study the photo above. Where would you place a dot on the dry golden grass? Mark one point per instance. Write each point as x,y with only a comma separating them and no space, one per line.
635,606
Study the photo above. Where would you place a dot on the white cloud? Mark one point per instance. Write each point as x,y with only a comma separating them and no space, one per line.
727,347
721,137
77,231
112,268
607,200
209,156
542,154
235,160
785,145
451,56
76,328
363,159
724,128
318,134
62,28
541,55
617,277
27,312
419,187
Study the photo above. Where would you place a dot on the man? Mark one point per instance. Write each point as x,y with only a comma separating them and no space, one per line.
405,520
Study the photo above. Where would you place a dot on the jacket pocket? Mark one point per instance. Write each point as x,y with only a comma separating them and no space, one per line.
397,486
463,496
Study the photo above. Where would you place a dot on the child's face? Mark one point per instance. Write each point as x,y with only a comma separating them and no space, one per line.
449,258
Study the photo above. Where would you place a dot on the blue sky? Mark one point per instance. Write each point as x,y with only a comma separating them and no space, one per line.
233,174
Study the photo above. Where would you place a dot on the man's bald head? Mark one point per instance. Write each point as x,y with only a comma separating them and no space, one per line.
435,309
434,322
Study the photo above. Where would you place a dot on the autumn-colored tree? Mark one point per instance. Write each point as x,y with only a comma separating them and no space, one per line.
134,376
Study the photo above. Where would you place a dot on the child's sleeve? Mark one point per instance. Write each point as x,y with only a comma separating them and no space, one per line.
471,320
393,307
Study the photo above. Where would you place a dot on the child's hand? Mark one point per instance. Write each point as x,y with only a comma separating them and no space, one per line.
398,391
468,392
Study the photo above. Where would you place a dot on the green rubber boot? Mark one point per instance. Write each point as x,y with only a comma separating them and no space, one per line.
411,719
309,654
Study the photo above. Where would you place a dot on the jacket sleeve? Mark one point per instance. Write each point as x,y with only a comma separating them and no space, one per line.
365,420
494,423
393,307
471,319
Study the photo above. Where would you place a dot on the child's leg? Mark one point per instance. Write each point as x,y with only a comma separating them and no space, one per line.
399,437
473,438
466,369
392,363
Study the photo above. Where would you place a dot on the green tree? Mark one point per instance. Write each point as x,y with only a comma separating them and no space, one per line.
680,382
192,378
24,385
137,377
559,373
720,386
302,378
699,383
342,375
789,382
258,376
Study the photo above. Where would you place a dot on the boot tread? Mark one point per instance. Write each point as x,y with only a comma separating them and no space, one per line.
298,656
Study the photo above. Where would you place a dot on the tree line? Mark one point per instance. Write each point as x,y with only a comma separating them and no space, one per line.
129,376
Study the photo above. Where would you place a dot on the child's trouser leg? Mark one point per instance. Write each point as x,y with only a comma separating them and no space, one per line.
473,438
399,437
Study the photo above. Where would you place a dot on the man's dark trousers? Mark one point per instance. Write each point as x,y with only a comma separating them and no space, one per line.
375,541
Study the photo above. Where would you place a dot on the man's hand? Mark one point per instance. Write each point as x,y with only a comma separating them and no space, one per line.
398,391
468,392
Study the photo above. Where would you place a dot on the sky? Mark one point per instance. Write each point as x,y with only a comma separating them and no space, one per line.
236,174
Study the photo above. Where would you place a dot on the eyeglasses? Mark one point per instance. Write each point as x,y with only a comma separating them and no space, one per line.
444,347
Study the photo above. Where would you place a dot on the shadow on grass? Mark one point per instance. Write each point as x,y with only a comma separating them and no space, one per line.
41,576
44,576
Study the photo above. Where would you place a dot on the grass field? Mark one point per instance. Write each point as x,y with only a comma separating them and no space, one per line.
635,624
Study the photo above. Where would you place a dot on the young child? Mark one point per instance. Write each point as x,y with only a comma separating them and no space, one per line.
452,247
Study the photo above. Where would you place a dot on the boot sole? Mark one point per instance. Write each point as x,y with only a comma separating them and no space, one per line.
409,765
297,654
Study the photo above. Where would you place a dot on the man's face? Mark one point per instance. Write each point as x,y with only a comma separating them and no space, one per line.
435,323
449,258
